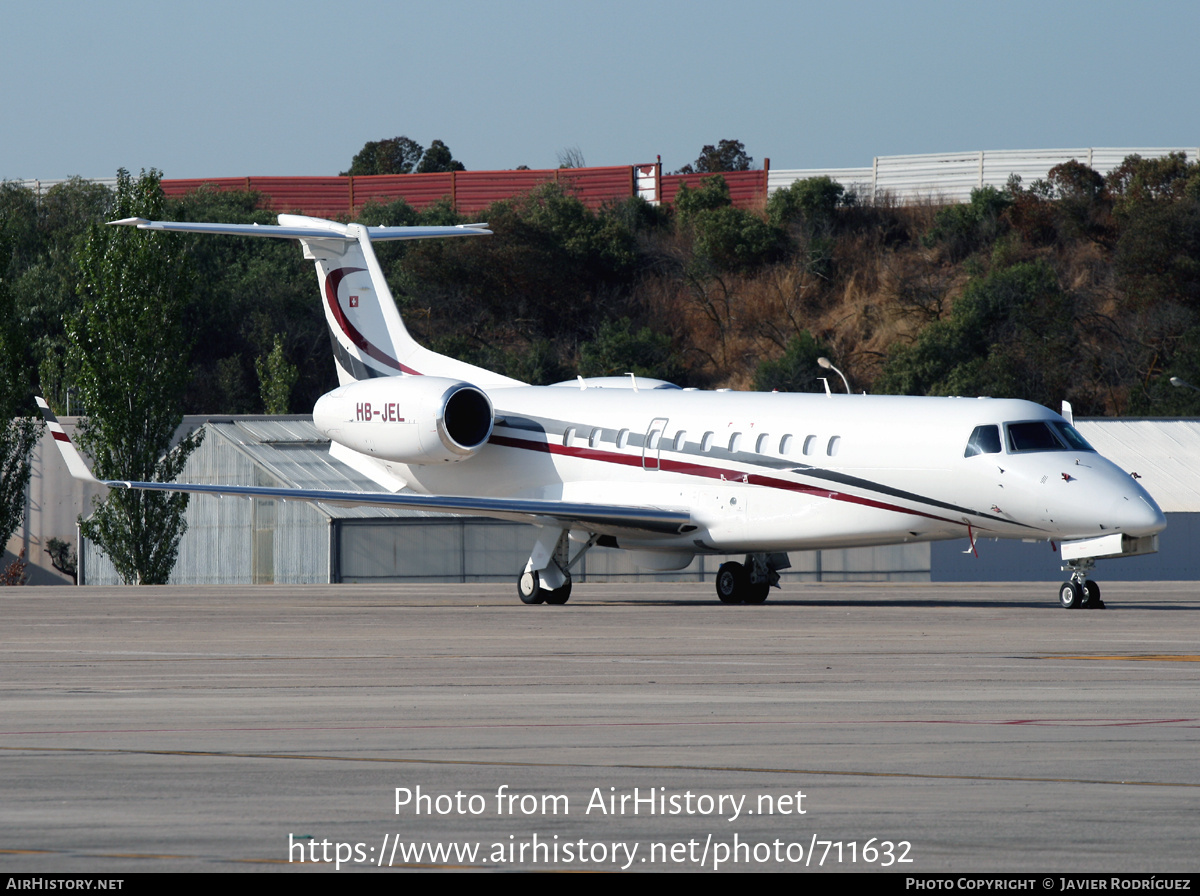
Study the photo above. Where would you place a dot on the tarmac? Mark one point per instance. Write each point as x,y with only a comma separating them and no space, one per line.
908,728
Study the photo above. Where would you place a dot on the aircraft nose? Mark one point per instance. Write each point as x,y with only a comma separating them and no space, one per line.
1137,515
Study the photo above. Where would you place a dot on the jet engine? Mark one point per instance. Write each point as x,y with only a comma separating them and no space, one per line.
408,419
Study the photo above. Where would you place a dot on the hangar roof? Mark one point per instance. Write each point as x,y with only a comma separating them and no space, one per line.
1164,452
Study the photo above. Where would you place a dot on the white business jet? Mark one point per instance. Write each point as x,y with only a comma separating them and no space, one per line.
669,473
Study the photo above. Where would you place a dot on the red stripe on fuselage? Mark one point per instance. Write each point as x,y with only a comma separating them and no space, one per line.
689,468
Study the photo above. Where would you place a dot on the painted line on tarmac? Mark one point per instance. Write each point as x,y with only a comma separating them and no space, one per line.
814,772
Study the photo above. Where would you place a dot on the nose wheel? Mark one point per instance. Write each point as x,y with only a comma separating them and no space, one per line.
1079,591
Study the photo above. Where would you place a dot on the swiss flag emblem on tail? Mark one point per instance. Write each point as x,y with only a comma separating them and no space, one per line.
354,301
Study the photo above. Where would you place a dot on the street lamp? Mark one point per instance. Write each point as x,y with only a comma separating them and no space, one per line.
824,362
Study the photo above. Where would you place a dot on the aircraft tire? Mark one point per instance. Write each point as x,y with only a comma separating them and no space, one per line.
1070,596
559,596
1091,596
529,587
733,583
757,593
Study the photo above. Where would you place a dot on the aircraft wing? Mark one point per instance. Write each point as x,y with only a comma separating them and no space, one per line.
333,231
605,519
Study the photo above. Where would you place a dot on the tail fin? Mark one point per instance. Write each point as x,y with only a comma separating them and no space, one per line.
369,338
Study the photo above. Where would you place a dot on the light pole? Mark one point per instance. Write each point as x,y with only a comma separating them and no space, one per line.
825,362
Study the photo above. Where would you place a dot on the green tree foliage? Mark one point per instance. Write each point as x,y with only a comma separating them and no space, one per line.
727,155
397,155
962,229
19,432
620,347
128,359
1159,397
400,155
1011,335
276,377
1157,208
251,291
711,194
552,271
796,370
812,201
438,158
733,239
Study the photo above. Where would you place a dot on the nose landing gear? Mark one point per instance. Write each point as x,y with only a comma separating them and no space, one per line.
1079,591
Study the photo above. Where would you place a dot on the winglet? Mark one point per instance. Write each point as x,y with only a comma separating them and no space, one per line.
70,454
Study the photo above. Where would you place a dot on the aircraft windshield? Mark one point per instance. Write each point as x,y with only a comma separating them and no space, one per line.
1045,435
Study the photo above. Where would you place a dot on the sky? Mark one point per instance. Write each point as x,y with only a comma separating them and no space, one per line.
260,88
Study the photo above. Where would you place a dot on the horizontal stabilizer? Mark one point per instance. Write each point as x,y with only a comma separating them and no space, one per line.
318,229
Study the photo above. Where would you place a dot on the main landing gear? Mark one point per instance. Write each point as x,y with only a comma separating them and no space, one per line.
1080,591
749,583
547,576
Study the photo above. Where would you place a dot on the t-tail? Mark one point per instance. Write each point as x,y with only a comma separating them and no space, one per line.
368,335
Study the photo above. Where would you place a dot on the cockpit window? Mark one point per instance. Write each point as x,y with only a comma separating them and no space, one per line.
1071,436
1043,435
984,440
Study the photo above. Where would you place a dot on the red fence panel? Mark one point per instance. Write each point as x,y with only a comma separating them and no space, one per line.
323,197
596,186
747,189
469,191
418,190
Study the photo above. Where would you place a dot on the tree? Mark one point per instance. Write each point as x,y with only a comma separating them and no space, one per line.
571,157
728,155
620,348
398,155
797,370
127,355
18,433
276,377
439,158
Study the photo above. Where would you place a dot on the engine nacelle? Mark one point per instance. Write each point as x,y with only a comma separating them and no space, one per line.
408,419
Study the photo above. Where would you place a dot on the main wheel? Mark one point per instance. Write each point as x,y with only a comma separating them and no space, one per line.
732,583
757,593
1070,596
559,595
529,587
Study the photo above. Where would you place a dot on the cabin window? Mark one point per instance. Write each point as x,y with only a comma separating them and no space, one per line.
835,443
761,445
785,444
594,438
735,442
984,440
810,444
652,440
706,443
680,440
569,436
623,438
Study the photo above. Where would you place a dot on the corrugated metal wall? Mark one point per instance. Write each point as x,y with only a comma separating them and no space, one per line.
747,189
475,550
950,177
467,191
